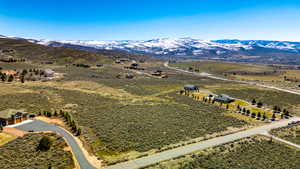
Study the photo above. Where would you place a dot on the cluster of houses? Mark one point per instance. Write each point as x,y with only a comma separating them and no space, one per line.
222,98
31,75
122,60
10,117
10,59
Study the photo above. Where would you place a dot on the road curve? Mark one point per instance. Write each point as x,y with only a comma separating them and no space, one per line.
166,64
166,155
37,125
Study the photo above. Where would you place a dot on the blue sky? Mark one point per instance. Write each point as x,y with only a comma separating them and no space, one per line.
148,19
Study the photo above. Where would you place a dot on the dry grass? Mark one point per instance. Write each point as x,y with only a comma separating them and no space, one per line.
96,88
14,131
5,138
11,88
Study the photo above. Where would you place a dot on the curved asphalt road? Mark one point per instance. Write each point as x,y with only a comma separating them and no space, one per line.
37,125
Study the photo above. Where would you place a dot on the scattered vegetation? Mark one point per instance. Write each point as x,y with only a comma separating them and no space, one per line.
290,133
250,153
24,152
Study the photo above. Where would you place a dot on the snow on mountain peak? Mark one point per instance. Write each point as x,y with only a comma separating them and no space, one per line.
179,46
175,46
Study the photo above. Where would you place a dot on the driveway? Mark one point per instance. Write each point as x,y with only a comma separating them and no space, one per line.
37,125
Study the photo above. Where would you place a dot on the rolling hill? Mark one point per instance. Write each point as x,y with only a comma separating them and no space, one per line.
261,51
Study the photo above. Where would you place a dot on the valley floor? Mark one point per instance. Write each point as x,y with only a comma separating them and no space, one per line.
123,119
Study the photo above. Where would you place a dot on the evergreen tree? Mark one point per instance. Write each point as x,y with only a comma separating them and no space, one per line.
275,108
264,116
279,110
78,132
259,104
253,102
24,72
244,109
10,78
22,79
3,77
287,113
55,113
259,115
248,112
273,116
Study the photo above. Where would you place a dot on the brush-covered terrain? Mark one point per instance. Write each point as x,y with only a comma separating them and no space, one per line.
124,117
251,153
290,133
23,153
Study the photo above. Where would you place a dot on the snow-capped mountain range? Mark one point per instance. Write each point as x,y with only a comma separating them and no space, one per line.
189,48
178,46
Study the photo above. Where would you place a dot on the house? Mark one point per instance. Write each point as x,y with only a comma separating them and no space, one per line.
10,72
47,62
223,99
124,60
192,88
8,59
118,61
157,73
129,76
49,72
134,66
9,117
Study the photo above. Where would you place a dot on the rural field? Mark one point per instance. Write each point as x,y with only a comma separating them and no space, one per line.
22,153
124,119
276,75
255,152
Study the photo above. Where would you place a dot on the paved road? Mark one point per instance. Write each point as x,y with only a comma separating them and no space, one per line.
166,64
144,161
37,125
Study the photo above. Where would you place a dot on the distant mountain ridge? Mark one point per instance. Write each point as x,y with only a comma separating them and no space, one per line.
262,51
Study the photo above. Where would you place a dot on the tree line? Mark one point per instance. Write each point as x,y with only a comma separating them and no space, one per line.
67,118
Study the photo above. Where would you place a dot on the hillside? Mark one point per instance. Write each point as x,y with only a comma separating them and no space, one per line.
253,51
21,48
260,51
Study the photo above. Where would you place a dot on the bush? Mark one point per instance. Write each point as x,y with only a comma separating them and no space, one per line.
45,144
